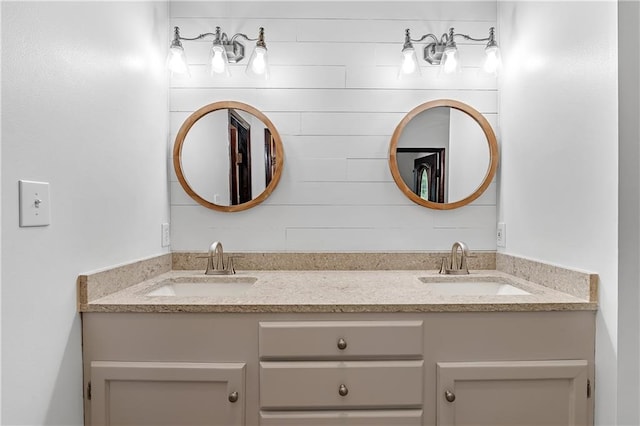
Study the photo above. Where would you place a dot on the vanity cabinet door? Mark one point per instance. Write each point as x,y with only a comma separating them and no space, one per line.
167,393
512,393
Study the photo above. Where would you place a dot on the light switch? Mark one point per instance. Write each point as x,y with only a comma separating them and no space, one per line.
35,207
166,235
501,235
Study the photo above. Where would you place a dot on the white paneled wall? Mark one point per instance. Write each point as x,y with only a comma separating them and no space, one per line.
335,99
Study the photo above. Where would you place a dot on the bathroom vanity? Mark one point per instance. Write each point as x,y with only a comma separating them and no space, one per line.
345,339
339,348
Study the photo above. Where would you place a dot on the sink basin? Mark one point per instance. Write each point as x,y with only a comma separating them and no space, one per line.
479,287
227,285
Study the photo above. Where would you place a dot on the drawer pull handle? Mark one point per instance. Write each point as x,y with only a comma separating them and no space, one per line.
449,396
342,390
342,344
233,396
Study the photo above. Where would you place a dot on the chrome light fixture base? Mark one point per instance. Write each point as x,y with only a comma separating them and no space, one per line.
433,53
234,50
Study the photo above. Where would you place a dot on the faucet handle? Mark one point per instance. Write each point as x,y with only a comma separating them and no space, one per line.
443,266
464,267
229,267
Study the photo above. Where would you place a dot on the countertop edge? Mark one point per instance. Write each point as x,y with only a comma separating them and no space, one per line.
315,308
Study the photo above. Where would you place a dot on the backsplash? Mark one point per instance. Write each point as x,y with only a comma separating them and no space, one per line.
334,97
96,284
582,284
333,261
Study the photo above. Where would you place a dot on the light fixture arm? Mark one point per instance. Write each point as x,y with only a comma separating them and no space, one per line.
450,36
491,37
408,39
246,37
219,36
177,36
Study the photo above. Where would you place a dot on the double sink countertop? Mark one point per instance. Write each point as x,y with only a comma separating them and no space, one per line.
145,286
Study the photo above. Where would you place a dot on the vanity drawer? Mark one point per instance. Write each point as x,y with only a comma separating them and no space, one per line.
341,384
340,339
342,418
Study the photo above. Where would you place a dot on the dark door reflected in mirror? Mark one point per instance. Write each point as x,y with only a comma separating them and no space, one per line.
228,156
239,159
427,177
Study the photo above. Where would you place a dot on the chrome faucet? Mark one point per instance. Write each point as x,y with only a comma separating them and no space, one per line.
215,261
455,266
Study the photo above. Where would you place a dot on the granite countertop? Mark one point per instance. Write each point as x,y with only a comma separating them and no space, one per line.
335,291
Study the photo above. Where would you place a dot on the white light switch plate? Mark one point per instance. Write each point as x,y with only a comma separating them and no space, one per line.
166,235
501,235
35,203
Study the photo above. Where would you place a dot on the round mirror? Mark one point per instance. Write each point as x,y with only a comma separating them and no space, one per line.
443,154
228,156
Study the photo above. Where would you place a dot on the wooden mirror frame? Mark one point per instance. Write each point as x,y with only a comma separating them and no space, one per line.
491,140
182,134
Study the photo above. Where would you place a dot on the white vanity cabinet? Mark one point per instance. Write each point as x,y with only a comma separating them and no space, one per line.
324,369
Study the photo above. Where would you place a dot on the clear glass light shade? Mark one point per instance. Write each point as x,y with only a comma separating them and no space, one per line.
450,62
177,61
258,65
493,60
218,61
409,66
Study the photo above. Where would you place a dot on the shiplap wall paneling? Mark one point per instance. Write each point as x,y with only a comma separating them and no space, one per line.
335,99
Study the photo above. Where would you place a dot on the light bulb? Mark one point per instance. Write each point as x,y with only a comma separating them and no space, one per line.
218,60
409,63
409,66
450,61
177,61
492,60
258,65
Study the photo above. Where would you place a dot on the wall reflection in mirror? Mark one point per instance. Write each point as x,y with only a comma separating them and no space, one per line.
442,155
228,158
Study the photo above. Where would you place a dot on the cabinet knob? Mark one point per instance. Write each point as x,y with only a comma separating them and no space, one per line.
342,344
342,390
233,396
449,396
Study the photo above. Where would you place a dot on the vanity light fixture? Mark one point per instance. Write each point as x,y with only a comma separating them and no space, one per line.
224,50
443,51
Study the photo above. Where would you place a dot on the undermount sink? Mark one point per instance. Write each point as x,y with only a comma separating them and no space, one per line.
228,285
471,287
